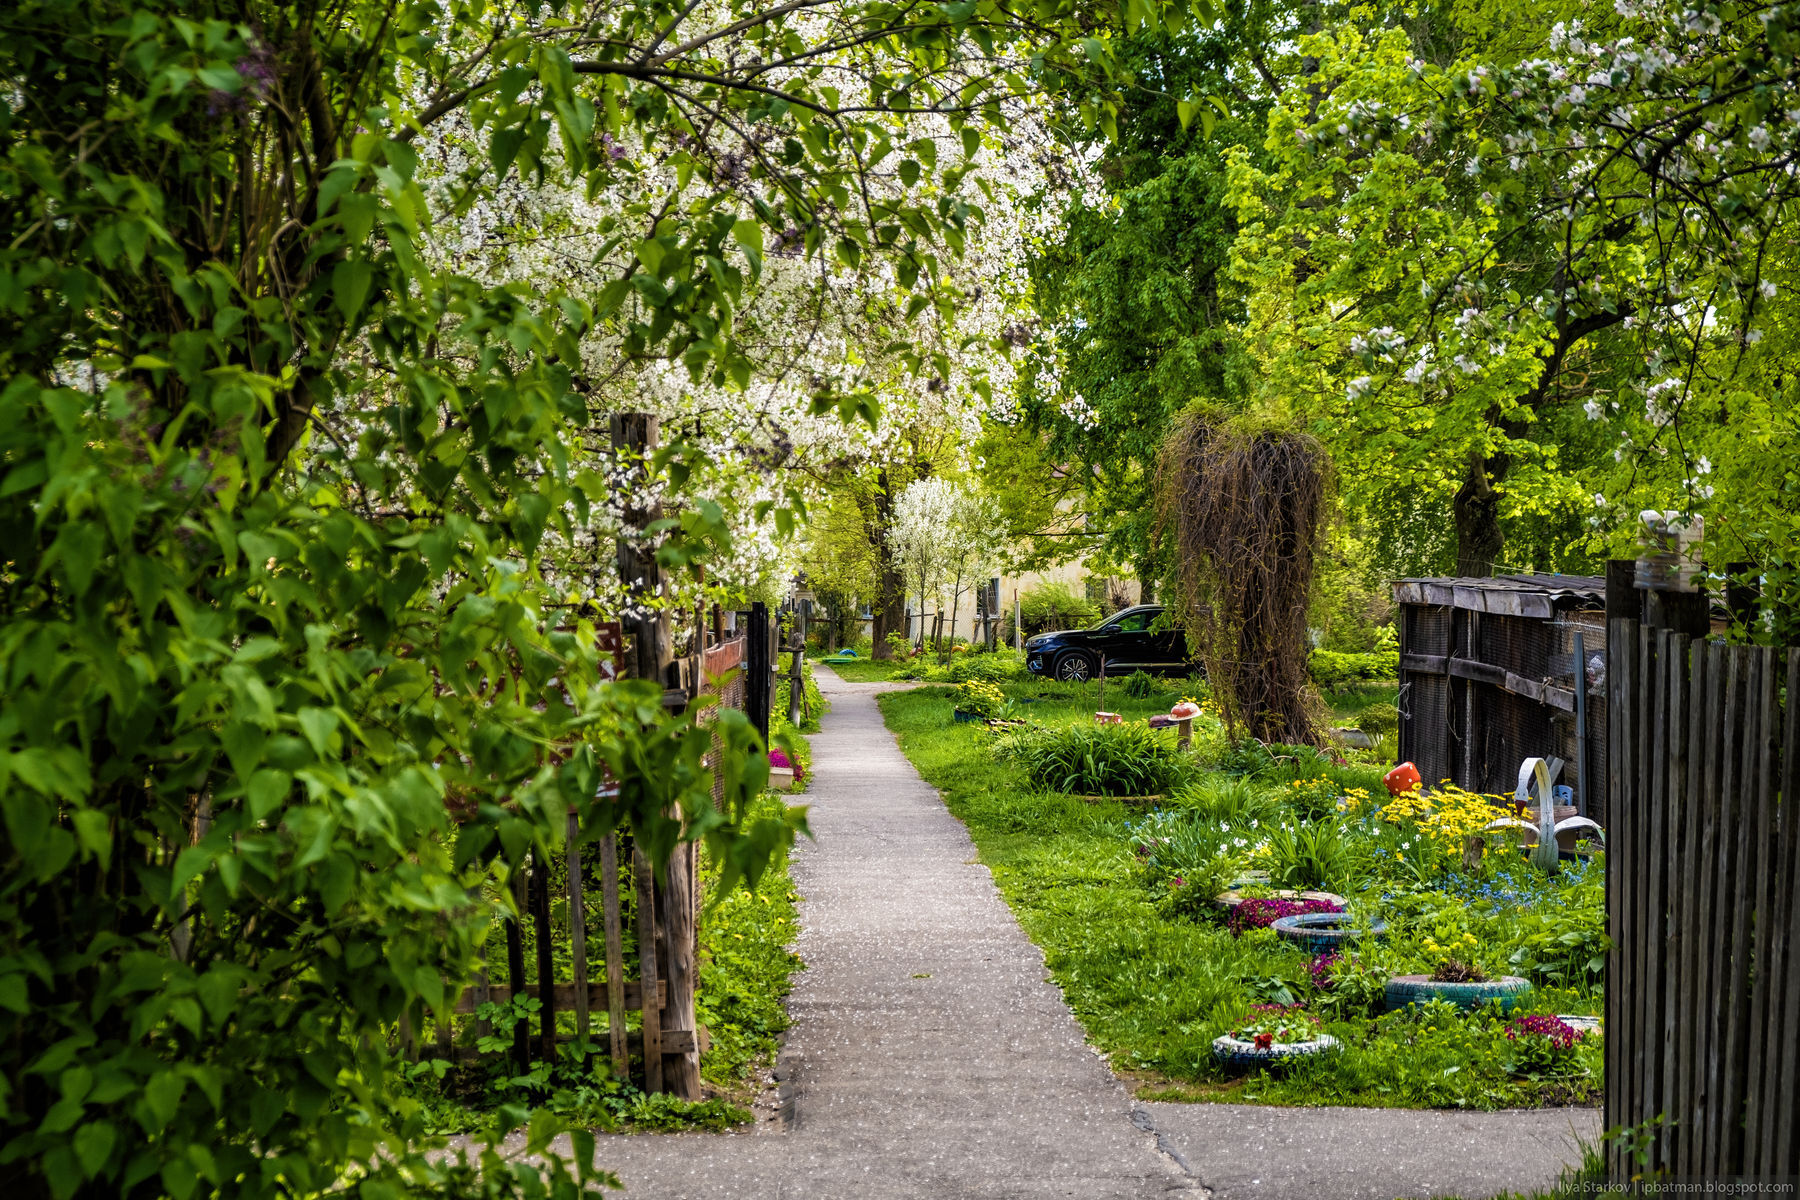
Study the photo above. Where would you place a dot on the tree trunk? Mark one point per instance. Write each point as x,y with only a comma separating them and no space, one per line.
889,607
1479,541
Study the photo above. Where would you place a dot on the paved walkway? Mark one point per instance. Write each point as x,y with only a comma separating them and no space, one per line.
931,1057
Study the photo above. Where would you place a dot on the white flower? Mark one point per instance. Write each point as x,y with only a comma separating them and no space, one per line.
1599,500
1767,288
1594,410
1759,138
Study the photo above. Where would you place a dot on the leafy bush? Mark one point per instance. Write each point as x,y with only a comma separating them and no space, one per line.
1055,606
978,697
1231,798
1331,669
1317,854
1140,685
992,668
1103,760
1379,719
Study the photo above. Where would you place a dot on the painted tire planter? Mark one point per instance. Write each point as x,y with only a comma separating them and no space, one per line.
1317,933
1232,1052
963,716
1403,990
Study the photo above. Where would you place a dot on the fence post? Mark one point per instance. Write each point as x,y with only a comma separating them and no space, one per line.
756,670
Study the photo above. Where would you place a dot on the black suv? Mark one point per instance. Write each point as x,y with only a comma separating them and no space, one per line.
1124,642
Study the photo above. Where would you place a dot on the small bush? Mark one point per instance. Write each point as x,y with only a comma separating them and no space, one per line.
1140,685
991,668
1101,760
1319,854
1331,670
1230,798
1378,720
1054,606
979,697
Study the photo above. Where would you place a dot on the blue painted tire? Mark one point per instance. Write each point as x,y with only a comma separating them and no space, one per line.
1403,990
1318,933
965,717
1232,1052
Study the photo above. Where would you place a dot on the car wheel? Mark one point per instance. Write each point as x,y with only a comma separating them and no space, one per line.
1075,668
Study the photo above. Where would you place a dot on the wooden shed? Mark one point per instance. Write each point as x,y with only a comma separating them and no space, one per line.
1489,677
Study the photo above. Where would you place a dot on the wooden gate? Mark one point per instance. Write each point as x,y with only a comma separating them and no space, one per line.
1703,987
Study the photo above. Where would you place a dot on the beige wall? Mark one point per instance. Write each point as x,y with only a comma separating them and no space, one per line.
1072,575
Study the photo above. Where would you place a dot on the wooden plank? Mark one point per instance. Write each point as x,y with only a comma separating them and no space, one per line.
1763,843
515,967
1670,848
1742,877
577,929
615,955
1475,669
1652,933
1705,695
644,877
599,996
1425,664
546,956
1722,796
681,1068
1781,1145
478,994
1633,873
1620,671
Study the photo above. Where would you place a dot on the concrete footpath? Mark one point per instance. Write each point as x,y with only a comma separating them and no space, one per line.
931,1057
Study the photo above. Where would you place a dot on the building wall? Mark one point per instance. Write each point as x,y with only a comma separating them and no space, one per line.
1073,575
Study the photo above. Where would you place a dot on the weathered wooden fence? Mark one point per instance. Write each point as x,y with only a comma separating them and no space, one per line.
668,1041
1703,991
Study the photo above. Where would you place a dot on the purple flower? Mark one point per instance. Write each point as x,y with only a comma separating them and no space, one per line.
1257,913
1321,969
1561,1034
779,758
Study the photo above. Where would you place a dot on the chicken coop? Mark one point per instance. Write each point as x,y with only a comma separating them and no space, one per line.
1497,670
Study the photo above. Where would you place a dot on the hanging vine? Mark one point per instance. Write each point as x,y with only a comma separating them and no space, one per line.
1244,508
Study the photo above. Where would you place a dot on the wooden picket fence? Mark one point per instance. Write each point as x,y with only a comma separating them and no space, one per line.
668,1041
1703,991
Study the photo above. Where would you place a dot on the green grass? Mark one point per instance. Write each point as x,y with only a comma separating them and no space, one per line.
1153,991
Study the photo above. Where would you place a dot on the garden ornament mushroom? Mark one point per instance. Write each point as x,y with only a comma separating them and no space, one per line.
1535,774
1187,710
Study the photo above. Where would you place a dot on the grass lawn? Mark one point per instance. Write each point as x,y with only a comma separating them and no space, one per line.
1154,980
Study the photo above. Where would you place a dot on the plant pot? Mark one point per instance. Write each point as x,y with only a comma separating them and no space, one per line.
964,716
1232,1052
1403,990
781,779
1317,933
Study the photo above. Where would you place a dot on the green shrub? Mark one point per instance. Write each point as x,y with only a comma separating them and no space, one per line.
1378,720
1232,798
1055,606
1316,854
1332,670
1102,760
992,668
1140,685
979,697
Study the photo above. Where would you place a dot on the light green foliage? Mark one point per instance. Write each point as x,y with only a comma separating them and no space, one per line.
1051,606
286,684
978,697
1125,759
